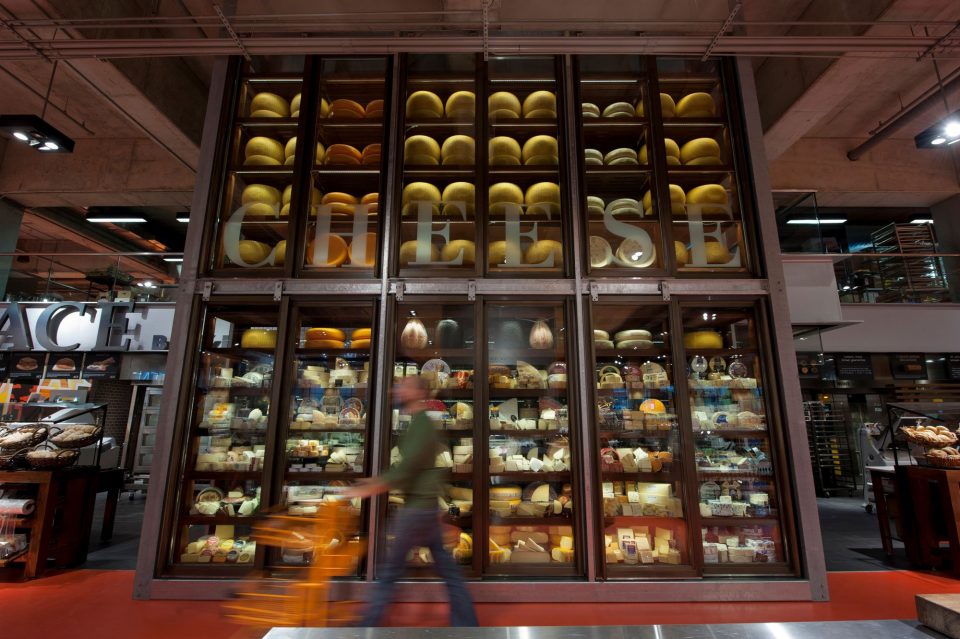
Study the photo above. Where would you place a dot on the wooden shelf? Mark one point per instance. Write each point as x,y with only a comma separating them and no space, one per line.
245,391
529,355
292,432
664,476
558,520
454,393
509,393
257,170
239,351
733,432
532,433
638,434
216,520
713,474
313,476
222,475
604,353
17,558
532,476
350,353
738,521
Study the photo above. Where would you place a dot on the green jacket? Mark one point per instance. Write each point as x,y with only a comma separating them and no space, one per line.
416,475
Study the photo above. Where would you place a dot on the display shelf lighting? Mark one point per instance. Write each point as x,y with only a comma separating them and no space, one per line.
116,220
183,218
173,259
922,220
943,133
821,220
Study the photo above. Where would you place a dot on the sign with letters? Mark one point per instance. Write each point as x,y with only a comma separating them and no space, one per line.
83,326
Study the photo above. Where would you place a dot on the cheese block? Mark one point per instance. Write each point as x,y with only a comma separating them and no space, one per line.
703,339
541,494
325,333
632,334
509,492
259,338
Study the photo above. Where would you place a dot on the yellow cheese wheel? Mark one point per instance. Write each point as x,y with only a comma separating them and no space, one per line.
336,251
503,193
541,250
497,252
461,105
261,160
716,252
360,343
540,104
668,107
454,248
295,105
683,257
699,148
324,108
503,105
323,343
543,197
673,152
458,150
369,242
265,114
260,193
291,148
505,493
325,333
424,105
696,105
462,192
281,253
703,339
709,160
652,406
706,194
259,338
408,253
417,192
504,151
537,147
677,200
252,252
361,333
267,101
267,147
421,149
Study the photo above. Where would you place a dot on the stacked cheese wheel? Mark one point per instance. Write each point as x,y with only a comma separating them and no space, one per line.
348,155
634,338
345,109
539,252
263,151
463,251
344,204
696,152
615,110
536,151
360,252
692,105
539,198
271,105
424,150
456,199
504,105
336,338
427,105
622,156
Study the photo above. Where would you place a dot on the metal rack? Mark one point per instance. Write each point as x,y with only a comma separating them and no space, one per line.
830,452
909,279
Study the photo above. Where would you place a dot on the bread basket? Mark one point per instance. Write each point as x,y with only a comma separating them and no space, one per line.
45,457
12,440
66,439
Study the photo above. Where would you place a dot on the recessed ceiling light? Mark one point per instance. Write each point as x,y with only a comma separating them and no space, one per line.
116,220
36,133
952,129
173,259
183,219
822,220
938,141
921,221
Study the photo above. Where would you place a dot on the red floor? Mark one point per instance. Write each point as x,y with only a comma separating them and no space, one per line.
93,604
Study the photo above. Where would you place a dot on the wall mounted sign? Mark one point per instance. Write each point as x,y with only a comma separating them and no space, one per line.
81,326
64,366
908,366
26,365
854,366
953,367
101,366
4,365
809,365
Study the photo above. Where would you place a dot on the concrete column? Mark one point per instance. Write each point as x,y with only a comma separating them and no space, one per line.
10,217
946,223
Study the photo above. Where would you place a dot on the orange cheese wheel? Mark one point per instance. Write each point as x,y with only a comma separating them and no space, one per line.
325,333
360,343
342,154
361,333
323,343
346,109
370,257
374,109
336,251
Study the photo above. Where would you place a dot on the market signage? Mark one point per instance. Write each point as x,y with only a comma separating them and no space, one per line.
854,366
430,228
82,326
908,366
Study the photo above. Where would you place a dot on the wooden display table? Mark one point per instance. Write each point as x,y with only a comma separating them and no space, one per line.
934,499
59,528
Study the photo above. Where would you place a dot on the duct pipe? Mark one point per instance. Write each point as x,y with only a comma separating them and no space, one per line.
903,117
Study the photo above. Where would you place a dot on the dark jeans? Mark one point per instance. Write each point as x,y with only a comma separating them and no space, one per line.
419,527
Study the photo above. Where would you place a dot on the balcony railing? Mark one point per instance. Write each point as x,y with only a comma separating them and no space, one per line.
84,277
898,278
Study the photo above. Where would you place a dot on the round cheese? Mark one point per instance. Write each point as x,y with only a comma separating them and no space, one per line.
280,253
361,333
505,493
461,105
497,252
336,251
266,101
716,252
638,333
706,194
704,150
253,252
592,157
374,109
620,156
295,105
540,104
677,200
458,150
503,105
421,149
539,146
454,248
323,343
601,253
590,110
696,105
424,105
541,250
619,110
417,192
408,253
267,197
703,339
631,253
461,192
259,338
325,333
504,151
347,109
262,160
360,343
680,249
501,194
654,406
600,334
543,197
668,108
267,147
369,243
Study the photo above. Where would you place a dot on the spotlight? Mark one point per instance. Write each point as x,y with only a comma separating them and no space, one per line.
36,133
946,131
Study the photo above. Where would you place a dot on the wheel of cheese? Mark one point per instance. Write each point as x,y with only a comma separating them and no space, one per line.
280,253
295,105
453,248
673,152
371,154
638,333
267,147
324,108
541,250
501,194
595,206
600,334
539,145
504,151
374,109
621,156
505,493
369,242
315,200
417,192
624,206
603,343
696,105
543,197
266,101
619,110
342,154
542,160
668,108
706,194
503,105
325,333
703,339
590,110
340,203
592,157
458,150
424,105
710,160
461,105
630,253
677,199
652,406
290,149
336,251
716,252
370,198
261,160
408,253
540,104
323,343
497,252
259,338
361,333
360,344
421,149
699,148
265,114
252,252
680,249
462,192
261,199
346,109
601,253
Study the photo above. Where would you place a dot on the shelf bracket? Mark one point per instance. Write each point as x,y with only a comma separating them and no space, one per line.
471,290
665,291
594,292
206,292
277,291
398,290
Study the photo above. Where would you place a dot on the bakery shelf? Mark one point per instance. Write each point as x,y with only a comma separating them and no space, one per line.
315,475
532,476
607,353
215,520
557,520
738,521
532,433
222,475
664,476
508,393
734,432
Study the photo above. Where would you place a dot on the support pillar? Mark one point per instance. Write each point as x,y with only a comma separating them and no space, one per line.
10,218
946,223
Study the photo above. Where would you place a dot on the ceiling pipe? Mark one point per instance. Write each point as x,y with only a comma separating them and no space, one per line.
904,117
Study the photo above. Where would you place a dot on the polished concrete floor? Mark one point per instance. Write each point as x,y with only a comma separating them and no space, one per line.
814,630
120,553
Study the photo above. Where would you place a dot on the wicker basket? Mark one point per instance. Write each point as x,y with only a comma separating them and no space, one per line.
13,461
92,438
950,461
61,459
38,433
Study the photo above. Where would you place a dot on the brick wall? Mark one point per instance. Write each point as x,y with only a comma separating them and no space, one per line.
116,394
